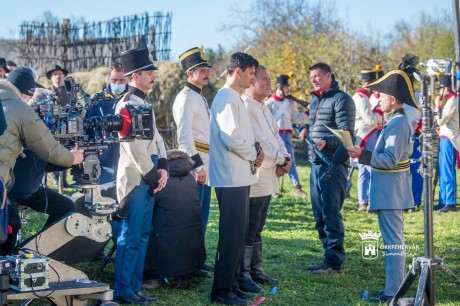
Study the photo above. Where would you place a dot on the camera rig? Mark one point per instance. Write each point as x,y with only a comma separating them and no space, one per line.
94,135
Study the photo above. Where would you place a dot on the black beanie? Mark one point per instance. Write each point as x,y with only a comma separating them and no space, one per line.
23,80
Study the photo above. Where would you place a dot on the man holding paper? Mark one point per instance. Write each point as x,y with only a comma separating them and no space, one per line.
390,176
330,108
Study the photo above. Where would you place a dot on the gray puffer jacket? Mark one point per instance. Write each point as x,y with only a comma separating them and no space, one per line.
25,127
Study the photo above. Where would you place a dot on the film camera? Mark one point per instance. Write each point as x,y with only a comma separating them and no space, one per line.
93,135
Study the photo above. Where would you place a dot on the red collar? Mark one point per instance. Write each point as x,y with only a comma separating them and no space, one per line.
363,91
318,93
452,94
277,98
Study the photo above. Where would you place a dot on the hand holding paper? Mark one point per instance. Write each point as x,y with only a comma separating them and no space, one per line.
343,136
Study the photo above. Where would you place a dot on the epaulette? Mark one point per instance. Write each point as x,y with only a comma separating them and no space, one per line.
186,90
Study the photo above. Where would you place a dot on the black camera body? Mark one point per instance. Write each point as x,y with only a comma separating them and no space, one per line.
96,134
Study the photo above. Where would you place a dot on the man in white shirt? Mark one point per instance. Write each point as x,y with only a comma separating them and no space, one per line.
286,113
276,163
233,159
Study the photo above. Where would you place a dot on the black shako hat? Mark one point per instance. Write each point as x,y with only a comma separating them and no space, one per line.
282,80
23,79
135,60
192,58
396,83
56,68
3,64
371,74
445,80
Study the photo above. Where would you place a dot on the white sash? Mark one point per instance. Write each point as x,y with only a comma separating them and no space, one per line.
283,108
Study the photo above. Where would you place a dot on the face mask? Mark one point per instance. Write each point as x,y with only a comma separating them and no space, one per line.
117,88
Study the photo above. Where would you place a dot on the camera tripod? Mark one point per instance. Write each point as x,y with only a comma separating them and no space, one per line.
425,266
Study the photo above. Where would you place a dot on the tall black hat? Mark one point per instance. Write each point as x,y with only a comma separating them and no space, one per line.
282,80
396,83
3,64
371,74
192,58
56,68
445,80
137,60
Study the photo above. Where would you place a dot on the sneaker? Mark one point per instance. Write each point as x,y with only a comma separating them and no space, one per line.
363,206
326,270
448,208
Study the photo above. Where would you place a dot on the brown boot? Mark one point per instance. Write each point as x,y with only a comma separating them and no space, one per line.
299,193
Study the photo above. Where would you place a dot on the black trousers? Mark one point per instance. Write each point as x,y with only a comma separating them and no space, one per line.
45,200
233,227
327,200
258,208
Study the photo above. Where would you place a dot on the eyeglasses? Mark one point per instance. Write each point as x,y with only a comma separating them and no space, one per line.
151,49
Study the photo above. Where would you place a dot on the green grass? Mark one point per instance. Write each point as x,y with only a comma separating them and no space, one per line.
291,244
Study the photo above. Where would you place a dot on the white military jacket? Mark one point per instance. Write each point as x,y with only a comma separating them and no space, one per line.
191,115
232,143
135,156
266,132
285,112
448,122
366,119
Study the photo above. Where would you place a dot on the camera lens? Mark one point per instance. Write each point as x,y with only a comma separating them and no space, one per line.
109,123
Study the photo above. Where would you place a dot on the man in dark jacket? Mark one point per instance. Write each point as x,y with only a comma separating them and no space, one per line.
106,102
333,108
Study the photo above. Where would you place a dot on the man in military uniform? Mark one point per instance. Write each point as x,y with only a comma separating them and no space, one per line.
366,125
390,174
285,112
449,143
142,172
191,115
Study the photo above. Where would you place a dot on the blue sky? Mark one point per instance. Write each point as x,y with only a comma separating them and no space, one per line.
199,22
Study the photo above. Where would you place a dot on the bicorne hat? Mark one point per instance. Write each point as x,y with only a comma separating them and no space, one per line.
137,60
56,68
396,83
192,58
282,80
